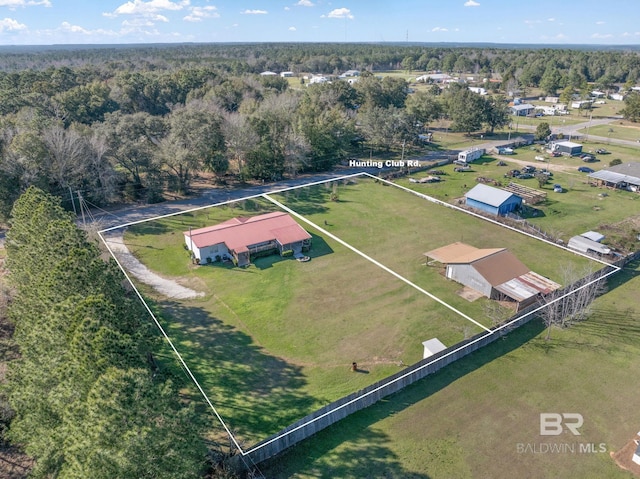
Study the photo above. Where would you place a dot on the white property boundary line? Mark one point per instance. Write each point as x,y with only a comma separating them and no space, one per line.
180,358
377,263
265,195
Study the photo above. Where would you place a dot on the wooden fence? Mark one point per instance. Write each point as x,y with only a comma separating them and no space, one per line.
368,396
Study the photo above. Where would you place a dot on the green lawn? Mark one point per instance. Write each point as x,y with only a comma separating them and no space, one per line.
579,208
622,130
467,420
273,342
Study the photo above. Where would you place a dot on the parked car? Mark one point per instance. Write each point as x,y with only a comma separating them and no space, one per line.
557,188
556,154
525,176
528,169
586,169
512,174
588,158
602,151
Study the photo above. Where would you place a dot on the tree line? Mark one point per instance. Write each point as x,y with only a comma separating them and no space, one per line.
131,123
87,397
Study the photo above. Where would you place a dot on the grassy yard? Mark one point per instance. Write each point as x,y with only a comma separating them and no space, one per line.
579,208
623,130
467,420
273,342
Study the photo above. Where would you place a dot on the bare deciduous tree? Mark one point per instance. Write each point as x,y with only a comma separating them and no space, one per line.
567,306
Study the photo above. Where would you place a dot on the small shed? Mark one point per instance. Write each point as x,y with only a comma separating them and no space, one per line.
431,347
492,200
586,245
567,148
593,236
636,454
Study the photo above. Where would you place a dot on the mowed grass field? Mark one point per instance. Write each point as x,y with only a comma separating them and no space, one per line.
275,341
623,130
272,342
396,228
468,420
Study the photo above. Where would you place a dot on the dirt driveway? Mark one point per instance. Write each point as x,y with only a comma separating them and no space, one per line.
164,286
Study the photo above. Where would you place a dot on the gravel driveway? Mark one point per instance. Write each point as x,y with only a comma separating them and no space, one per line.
166,287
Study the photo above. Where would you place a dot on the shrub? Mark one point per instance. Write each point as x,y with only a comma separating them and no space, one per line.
615,162
288,252
209,260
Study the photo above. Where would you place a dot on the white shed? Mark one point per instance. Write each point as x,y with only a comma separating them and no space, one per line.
636,454
431,347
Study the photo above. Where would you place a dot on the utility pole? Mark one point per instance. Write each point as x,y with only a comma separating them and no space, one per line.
75,212
81,208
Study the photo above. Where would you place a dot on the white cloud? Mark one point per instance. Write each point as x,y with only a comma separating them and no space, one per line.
292,29
340,13
286,9
471,3
67,28
24,3
9,24
600,22
138,22
305,3
149,8
439,29
531,22
197,14
634,34
254,12
551,19
602,35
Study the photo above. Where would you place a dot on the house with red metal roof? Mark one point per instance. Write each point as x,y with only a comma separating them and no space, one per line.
241,238
494,272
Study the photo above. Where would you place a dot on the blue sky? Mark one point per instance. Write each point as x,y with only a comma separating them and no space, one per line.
24,22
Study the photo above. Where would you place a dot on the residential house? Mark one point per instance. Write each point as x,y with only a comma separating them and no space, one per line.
240,238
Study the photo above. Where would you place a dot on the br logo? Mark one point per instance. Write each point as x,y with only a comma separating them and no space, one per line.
553,424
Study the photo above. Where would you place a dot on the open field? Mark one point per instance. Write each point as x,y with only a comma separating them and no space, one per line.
273,342
622,130
467,420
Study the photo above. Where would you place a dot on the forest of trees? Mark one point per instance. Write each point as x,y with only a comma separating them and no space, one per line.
131,123
88,398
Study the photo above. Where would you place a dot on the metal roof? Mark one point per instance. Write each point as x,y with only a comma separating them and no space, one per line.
239,233
499,267
580,243
568,144
523,106
489,195
609,176
527,285
593,236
